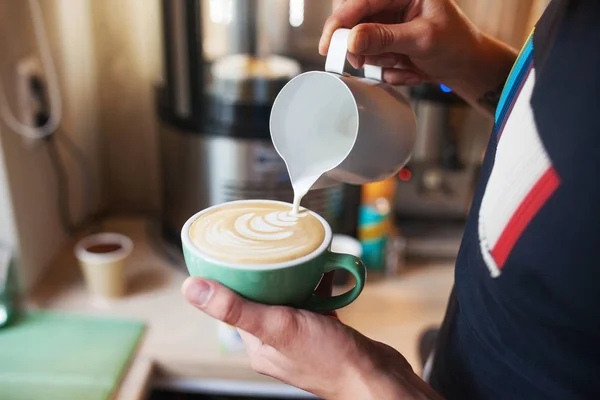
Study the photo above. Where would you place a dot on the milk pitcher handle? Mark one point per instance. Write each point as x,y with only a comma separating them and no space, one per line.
336,56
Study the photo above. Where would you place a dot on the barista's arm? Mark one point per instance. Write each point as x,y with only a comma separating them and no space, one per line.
428,40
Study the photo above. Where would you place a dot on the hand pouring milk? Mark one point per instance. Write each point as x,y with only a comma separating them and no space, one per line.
330,127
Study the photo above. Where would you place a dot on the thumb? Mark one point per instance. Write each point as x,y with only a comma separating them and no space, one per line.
373,39
273,325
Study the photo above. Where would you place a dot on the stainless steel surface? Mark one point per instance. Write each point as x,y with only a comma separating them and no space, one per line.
431,239
432,127
302,41
254,27
443,169
251,80
243,30
201,170
179,59
446,196
286,27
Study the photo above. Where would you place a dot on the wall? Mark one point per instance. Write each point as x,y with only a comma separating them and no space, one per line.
537,9
30,182
108,57
127,39
508,20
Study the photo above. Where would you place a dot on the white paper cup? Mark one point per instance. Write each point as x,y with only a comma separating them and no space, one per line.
102,259
346,245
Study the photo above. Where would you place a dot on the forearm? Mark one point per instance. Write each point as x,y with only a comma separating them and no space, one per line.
486,69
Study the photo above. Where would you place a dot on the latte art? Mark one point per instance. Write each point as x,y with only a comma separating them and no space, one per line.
256,233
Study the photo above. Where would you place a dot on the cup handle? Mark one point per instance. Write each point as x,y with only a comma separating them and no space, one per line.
339,261
336,56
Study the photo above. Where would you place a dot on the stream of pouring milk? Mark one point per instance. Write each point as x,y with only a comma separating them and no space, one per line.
301,187
304,178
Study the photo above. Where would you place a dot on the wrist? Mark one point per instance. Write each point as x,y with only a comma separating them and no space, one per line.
493,61
371,385
486,69
384,386
392,380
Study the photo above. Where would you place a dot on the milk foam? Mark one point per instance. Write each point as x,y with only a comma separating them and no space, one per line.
256,233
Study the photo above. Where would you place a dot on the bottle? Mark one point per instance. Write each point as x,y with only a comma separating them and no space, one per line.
375,224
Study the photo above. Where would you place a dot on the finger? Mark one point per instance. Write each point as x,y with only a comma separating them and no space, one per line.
398,69
356,61
389,60
255,349
396,76
333,315
374,39
336,3
351,12
386,60
251,342
273,325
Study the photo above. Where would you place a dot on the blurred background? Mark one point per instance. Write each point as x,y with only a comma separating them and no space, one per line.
153,110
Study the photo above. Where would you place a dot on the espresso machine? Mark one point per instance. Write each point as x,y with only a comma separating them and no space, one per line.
225,61
435,188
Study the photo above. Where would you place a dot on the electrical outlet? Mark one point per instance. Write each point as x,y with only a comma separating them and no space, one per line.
27,101
27,69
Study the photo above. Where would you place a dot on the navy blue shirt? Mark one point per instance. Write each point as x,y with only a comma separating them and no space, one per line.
523,320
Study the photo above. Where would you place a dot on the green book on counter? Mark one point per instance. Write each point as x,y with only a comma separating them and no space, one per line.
52,356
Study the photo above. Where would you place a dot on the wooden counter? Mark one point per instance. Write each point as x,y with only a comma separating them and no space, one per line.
180,347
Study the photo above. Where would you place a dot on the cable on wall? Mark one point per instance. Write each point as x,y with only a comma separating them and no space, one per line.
55,97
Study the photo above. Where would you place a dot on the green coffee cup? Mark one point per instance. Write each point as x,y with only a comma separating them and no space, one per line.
289,283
